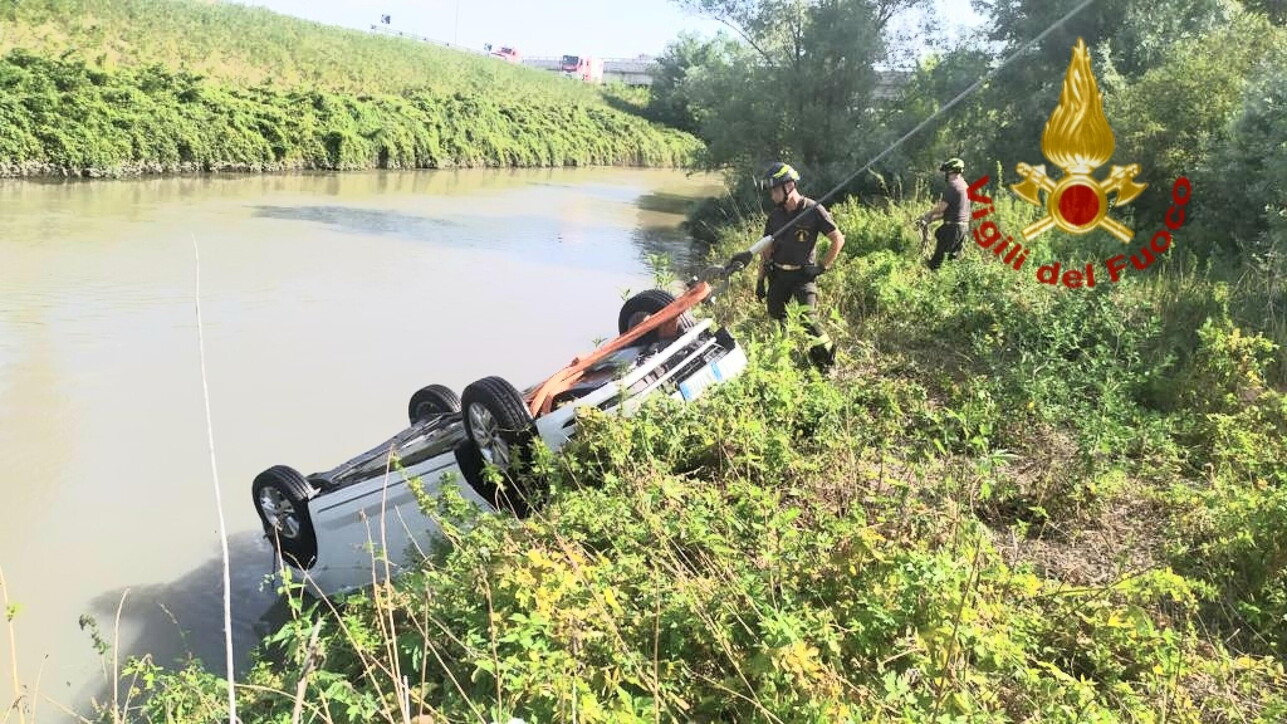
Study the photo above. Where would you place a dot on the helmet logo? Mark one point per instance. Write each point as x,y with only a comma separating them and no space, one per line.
1078,140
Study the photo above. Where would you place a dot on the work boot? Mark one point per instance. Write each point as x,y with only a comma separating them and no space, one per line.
823,357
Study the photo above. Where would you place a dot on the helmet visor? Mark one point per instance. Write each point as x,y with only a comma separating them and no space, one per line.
777,175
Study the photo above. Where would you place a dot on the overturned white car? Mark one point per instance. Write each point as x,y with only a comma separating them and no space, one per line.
324,524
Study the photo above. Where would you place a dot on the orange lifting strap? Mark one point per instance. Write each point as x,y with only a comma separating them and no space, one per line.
541,401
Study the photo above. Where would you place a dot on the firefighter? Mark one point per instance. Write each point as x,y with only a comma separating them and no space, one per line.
953,208
789,266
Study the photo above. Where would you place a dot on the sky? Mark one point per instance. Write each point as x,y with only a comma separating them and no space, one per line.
620,29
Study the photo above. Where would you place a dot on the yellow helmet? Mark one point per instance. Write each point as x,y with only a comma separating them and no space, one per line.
779,173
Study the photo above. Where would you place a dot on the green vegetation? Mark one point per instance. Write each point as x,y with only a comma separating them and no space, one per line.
63,116
239,45
1012,503
184,86
1190,88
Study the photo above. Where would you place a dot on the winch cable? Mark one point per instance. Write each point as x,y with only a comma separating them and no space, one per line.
743,259
223,525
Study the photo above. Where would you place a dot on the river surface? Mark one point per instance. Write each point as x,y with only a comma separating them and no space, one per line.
326,301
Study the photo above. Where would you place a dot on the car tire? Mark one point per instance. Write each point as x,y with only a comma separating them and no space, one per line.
432,401
499,428
471,465
645,304
281,496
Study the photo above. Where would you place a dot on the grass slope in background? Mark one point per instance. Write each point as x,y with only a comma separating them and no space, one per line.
64,117
152,86
240,45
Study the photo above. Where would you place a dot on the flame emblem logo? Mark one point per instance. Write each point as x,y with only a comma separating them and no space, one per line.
1078,140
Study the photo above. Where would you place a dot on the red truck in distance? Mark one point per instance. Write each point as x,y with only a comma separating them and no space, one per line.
582,68
508,54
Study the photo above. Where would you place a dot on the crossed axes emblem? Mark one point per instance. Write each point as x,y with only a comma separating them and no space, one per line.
1086,208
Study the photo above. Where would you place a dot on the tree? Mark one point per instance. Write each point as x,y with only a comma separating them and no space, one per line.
1177,113
1245,182
1275,10
753,19
964,131
799,88
672,103
1126,38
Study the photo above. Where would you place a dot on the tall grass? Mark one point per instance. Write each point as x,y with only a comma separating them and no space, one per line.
157,86
62,116
239,45
1010,502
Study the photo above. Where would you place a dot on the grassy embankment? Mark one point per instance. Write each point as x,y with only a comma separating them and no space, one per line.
150,86
1011,503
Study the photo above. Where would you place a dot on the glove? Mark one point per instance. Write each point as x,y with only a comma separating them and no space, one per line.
761,288
813,271
741,260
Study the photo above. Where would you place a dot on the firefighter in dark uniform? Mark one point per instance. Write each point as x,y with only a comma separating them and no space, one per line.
953,208
790,265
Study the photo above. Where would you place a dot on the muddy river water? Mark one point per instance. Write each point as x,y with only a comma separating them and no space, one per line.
326,299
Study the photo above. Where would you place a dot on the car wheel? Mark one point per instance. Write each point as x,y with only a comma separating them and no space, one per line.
281,497
472,467
645,304
497,420
498,424
431,401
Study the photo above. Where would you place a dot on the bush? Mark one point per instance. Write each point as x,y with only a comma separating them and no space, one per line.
900,542
64,117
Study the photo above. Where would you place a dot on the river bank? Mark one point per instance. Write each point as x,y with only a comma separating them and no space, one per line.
988,513
65,118
327,299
